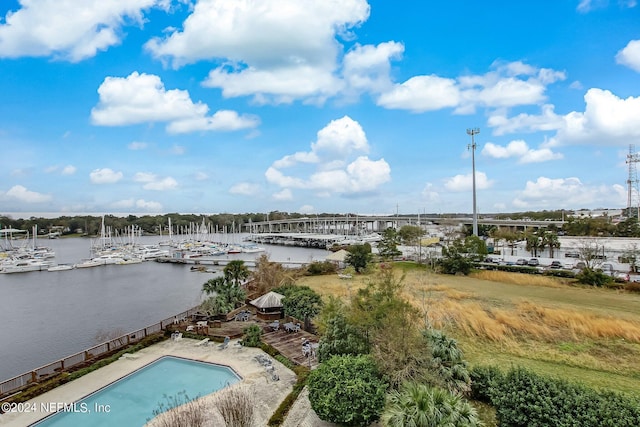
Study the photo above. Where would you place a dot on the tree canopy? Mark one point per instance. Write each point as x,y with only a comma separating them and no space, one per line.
359,257
347,390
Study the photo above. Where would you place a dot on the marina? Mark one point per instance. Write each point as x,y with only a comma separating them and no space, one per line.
49,315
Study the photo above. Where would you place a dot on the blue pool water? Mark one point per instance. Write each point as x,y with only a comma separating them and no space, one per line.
131,400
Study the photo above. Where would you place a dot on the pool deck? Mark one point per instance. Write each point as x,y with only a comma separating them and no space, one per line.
266,392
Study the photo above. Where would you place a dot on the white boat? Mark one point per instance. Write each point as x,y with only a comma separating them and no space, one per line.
150,252
93,262
60,267
126,261
110,258
250,248
24,265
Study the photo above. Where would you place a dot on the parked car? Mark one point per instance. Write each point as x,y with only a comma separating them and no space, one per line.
555,264
580,265
622,276
534,262
521,261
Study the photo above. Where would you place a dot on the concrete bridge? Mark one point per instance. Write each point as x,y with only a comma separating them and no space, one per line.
358,225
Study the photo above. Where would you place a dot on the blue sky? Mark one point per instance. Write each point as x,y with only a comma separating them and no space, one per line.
312,106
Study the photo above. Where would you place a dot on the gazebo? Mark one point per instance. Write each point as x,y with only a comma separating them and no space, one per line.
269,306
338,257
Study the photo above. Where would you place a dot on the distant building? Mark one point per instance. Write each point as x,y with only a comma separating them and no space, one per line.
596,213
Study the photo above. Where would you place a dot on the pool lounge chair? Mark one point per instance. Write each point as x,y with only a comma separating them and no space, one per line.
204,342
224,344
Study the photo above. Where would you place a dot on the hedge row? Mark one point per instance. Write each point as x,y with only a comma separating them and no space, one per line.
523,398
525,269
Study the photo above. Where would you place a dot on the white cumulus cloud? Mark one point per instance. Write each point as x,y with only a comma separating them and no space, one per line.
245,189
461,182
630,55
607,120
335,164
507,85
153,182
520,150
552,193
105,176
276,50
68,29
284,194
366,68
22,194
142,98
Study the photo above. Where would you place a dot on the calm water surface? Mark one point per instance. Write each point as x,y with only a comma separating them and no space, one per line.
46,316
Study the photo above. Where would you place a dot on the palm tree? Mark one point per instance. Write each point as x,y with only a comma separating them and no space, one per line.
235,272
448,362
226,295
533,243
550,239
423,405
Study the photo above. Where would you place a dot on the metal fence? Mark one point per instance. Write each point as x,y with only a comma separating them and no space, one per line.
19,382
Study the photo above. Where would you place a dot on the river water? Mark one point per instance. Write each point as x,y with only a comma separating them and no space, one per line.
45,316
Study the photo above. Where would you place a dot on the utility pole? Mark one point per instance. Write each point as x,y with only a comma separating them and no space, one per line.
473,132
632,181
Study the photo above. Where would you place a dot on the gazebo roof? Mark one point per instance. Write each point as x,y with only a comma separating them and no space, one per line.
337,256
268,300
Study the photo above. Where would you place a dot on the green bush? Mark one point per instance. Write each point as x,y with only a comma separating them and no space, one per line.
593,277
560,273
252,336
523,398
483,381
347,390
325,267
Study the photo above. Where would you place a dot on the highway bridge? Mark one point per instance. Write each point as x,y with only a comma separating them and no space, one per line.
358,225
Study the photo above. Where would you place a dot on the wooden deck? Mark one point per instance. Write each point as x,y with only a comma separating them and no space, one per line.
289,344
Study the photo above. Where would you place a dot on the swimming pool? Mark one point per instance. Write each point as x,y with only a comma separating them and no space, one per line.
131,400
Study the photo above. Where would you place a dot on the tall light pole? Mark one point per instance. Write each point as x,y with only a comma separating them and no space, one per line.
473,132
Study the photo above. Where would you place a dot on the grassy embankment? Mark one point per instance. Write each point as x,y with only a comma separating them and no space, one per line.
546,324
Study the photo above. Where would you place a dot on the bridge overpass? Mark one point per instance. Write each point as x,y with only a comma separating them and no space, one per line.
357,225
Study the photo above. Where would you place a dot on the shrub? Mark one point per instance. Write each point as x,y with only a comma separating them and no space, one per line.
523,398
318,268
252,336
568,274
483,381
592,277
347,390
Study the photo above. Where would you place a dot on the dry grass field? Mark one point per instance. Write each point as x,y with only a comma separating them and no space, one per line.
547,324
